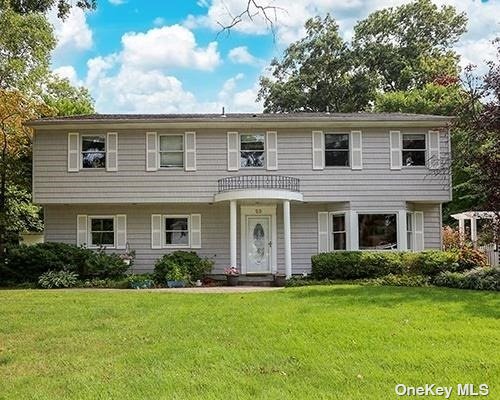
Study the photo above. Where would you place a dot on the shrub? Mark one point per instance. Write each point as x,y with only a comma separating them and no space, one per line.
58,279
355,264
189,262
27,263
401,280
143,281
99,283
431,262
176,273
470,258
452,239
478,279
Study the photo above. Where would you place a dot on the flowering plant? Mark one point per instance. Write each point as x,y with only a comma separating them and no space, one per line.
231,271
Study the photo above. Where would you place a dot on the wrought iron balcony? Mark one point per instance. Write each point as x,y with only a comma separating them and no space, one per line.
275,182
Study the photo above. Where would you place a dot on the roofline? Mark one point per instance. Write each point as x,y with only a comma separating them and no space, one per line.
314,122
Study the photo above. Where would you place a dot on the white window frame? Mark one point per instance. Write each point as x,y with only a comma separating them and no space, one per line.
89,231
164,230
172,151
331,231
383,212
403,163
264,163
325,150
410,233
104,135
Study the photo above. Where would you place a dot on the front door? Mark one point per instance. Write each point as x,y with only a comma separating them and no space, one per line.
258,244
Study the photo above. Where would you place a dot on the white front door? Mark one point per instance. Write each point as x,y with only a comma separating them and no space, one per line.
259,244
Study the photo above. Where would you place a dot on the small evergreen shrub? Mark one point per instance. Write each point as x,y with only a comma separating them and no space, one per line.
99,283
58,279
478,279
431,262
189,262
401,280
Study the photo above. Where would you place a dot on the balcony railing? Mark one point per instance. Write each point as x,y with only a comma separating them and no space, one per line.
276,182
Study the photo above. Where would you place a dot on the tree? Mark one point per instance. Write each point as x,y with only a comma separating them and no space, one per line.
317,73
25,7
410,45
66,99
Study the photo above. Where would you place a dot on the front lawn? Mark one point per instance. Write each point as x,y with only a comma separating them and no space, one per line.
339,342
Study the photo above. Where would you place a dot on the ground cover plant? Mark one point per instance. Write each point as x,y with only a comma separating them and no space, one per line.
339,342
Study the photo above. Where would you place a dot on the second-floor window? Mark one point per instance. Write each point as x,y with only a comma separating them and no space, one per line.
336,149
413,149
171,151
252,150
93,151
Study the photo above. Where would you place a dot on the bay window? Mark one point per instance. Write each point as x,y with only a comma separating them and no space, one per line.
377,231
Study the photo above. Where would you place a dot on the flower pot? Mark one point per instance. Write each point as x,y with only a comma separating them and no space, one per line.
126,262
279,280
232,280
176,284
198,283
141,284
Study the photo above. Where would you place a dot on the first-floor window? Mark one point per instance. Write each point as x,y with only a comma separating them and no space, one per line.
102,231
338,232
409,231
177,231
377,231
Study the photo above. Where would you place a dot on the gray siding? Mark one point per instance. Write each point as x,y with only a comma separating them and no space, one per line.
60,226
376,183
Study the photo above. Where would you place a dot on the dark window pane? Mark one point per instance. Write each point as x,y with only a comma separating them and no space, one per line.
176,224
415,157
334,141
339,242
93,160
108,238
414,142
252,146
377,231
338,223
96,224
107,224
251,159
176,238
93,143
337,158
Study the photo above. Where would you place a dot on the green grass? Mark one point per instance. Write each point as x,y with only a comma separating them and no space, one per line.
337,342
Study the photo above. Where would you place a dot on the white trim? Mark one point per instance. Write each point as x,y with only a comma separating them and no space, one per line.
89,231
111,151
323,232
359,150
419,234
270,211
156,233
234,151
190,151
73,168
264,151
152,152
164,231
183,151
81,230
258,194
318,153
355,225
287,238
353,231
395,148
195,242
330,230
401,230
233,234
118,232
271,149
433,154
80,148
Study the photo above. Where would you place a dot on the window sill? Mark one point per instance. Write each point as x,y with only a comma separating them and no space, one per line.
167,246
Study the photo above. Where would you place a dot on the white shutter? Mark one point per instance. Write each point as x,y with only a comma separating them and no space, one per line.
81,230
433,150
156,231
272,150
356,150
121,231
396,156
73,152
323,233
419,230
353,229
318,150
190,151
151,151
112,151
195,231
233,151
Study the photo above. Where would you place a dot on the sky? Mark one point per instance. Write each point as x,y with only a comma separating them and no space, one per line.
169,56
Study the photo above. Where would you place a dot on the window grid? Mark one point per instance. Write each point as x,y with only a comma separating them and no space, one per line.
338,154
94,157
101,232
171,151
253,157
414,149
169,233
339,233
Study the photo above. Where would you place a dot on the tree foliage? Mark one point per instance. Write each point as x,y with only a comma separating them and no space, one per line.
66,99
317,73
410,45
25,7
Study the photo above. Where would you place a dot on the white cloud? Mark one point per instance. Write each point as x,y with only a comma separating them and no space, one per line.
168,46
68,72
73,34
241,55
239,101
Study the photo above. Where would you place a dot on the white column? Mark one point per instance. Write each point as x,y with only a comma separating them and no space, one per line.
473,230
402,245
461,228
232,233
288,240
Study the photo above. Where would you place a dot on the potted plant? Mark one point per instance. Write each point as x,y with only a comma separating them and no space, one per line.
176,277
279,279
140,281
232,276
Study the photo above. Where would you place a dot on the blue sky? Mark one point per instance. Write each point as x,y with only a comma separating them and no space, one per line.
165,56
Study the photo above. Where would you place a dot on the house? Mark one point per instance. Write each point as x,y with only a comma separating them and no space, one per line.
263,192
